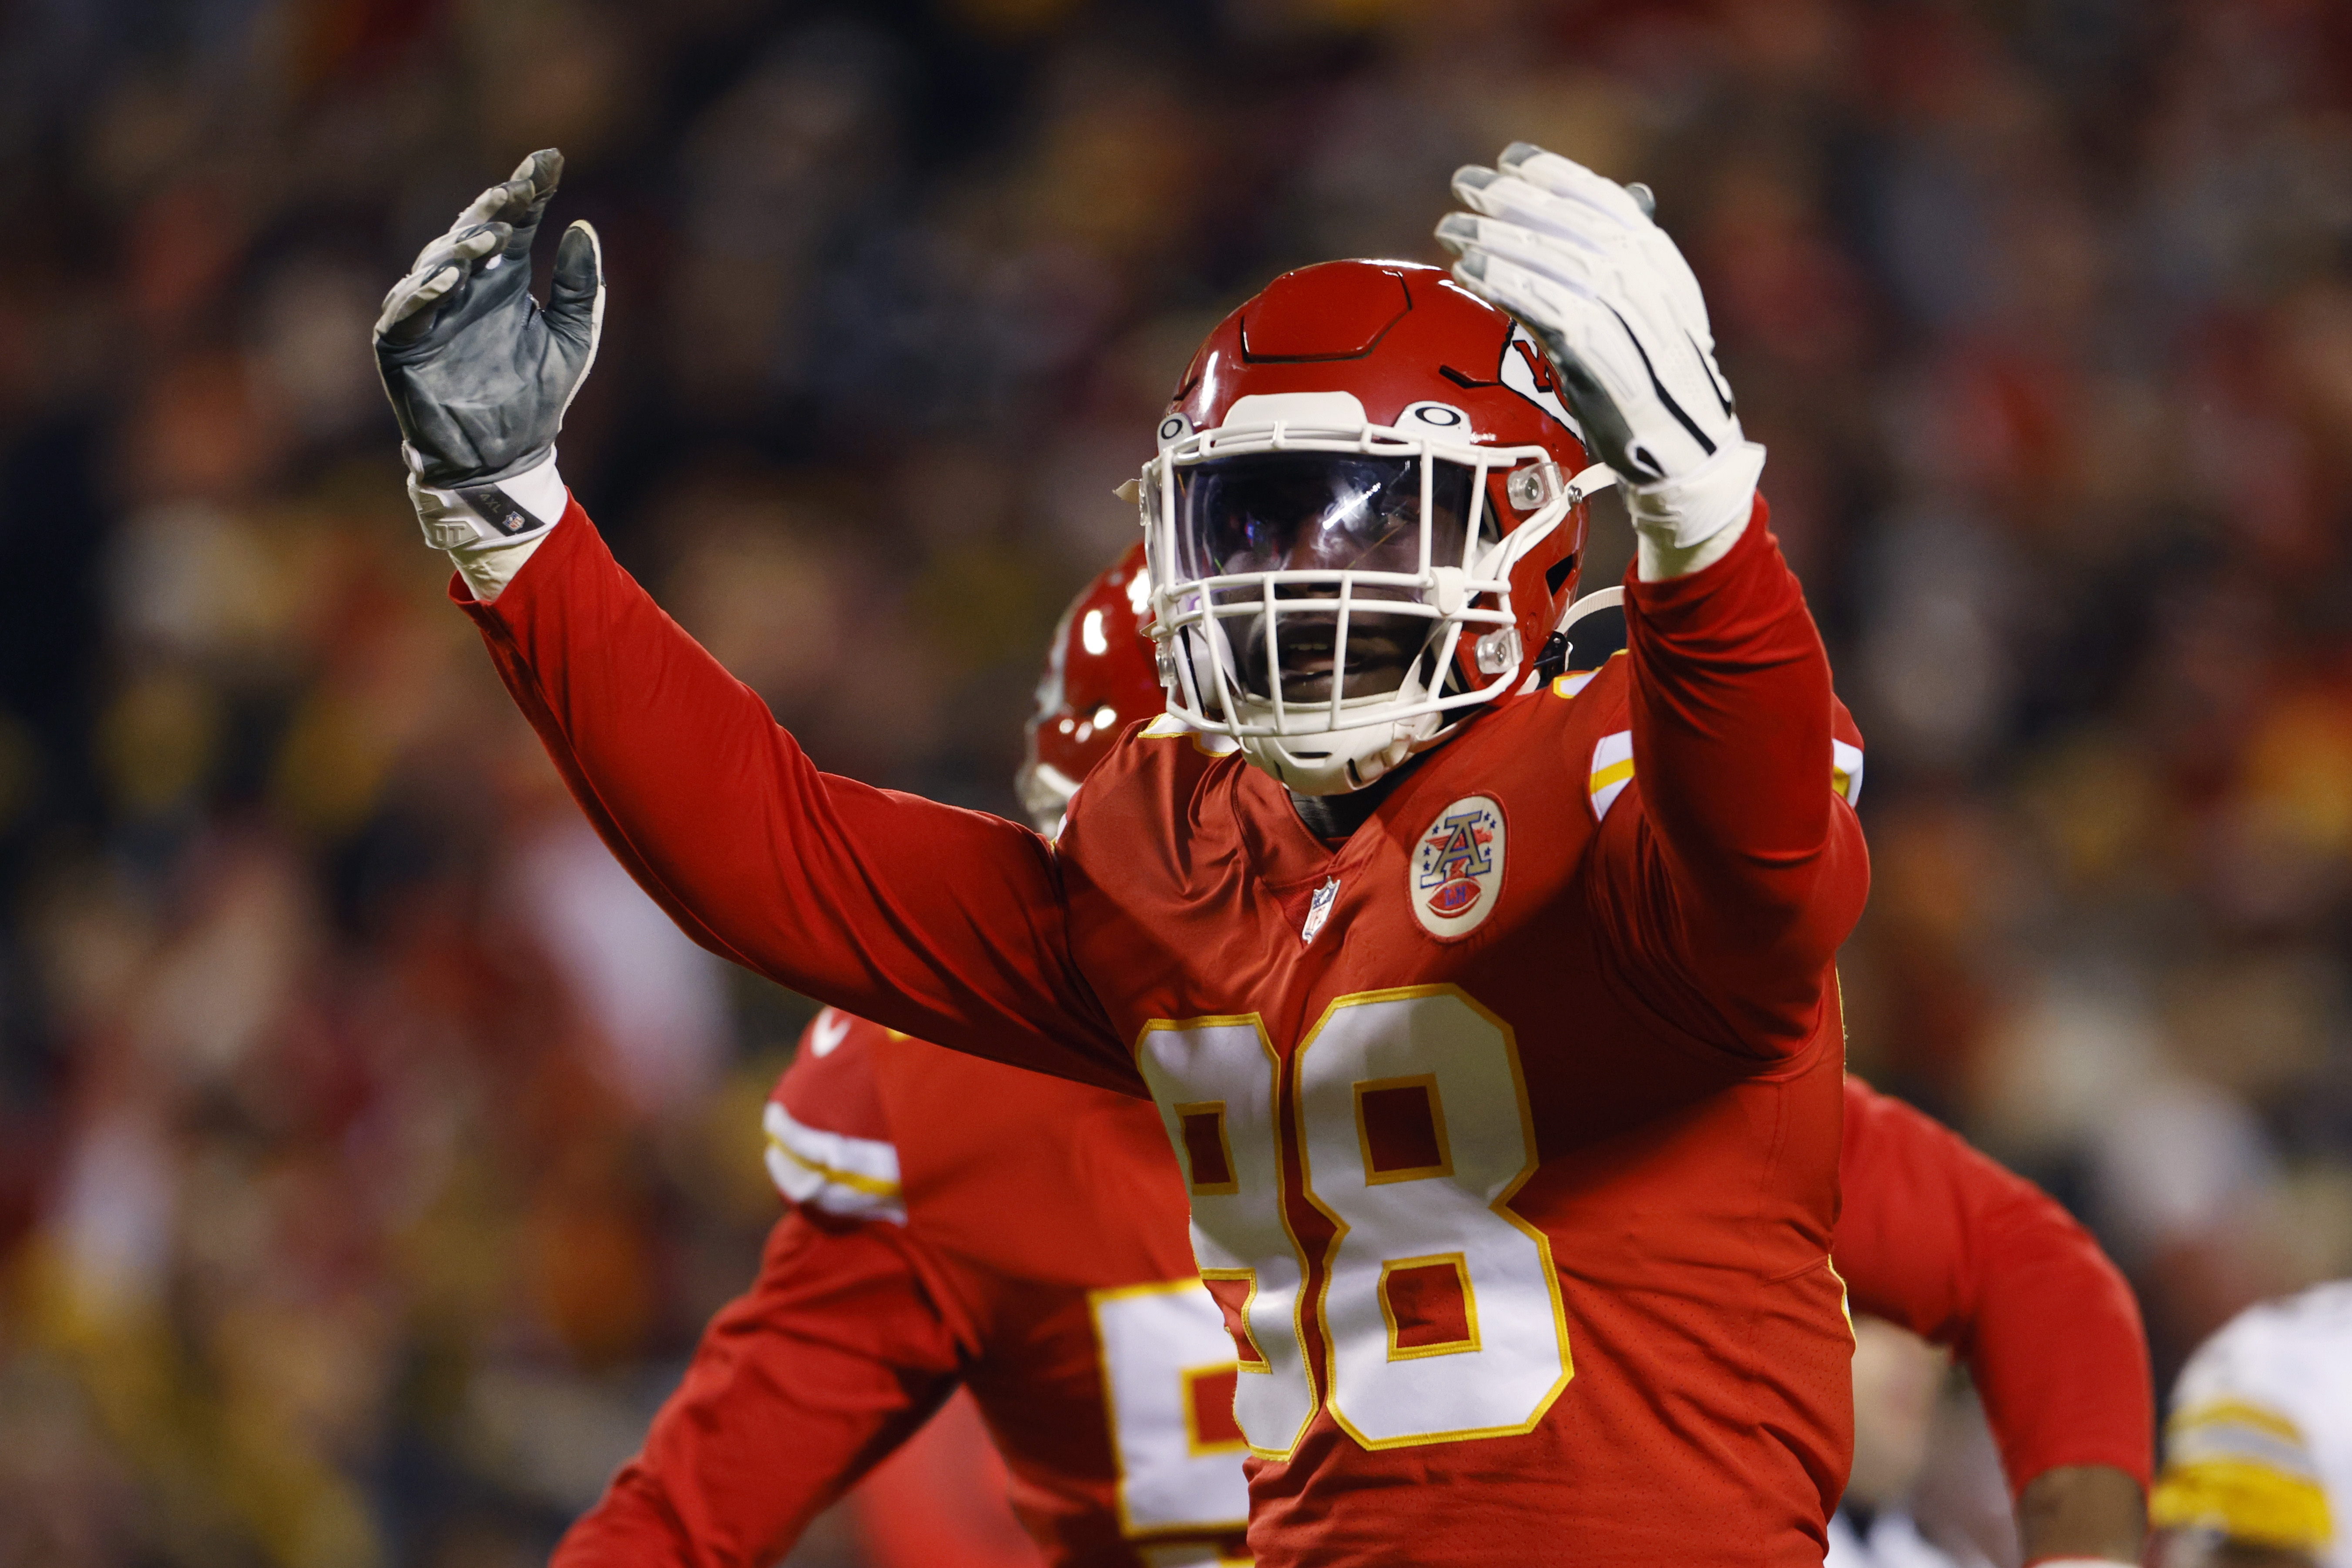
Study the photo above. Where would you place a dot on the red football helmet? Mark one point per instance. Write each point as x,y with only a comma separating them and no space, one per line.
1364,519
1099,676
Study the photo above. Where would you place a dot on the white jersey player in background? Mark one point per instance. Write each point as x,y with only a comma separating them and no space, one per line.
2258,1446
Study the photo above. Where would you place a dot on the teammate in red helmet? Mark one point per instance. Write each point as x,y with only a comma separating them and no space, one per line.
1100,678
964,1225
1492,1023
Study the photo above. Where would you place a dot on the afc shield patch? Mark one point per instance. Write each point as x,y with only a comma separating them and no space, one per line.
1455,876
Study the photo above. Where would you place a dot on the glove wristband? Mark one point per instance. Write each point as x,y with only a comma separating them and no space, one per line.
494,512
1692,508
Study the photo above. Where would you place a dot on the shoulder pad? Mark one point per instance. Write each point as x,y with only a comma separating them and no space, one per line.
1573,681
2245,1469
2240,1454
1168,726
829,1142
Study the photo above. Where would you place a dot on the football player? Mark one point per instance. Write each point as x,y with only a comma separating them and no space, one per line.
1494,1027
962,1223
2258,1446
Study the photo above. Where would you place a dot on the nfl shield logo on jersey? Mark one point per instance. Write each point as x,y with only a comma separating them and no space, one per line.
1458,869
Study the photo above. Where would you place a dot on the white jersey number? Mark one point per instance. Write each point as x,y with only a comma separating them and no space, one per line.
1167,1366
1215,1081
1441,1309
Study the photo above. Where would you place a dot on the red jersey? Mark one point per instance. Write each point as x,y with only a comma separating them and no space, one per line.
1048,1224
1051,1276
1510,1124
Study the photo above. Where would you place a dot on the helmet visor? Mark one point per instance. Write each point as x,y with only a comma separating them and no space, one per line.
1317,512
1321,512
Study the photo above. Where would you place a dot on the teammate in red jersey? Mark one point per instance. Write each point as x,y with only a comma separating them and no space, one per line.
1494,1026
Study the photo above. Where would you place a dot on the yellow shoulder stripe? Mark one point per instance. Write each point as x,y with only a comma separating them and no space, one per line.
1846,770
2242,1499
873,1187
2233,1413
1612,769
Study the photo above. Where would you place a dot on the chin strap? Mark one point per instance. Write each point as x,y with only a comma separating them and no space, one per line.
1553,661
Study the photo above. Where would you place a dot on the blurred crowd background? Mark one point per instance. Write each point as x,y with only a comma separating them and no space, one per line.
370,1151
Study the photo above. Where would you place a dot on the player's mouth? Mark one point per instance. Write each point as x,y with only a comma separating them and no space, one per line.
1380,650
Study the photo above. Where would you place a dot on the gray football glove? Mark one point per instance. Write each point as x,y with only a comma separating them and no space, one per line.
479,374
1578,258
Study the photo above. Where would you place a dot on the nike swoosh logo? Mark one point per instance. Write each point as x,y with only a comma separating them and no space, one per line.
831,1029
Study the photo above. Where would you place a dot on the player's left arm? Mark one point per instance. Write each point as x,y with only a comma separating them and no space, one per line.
1938,1237
1744,866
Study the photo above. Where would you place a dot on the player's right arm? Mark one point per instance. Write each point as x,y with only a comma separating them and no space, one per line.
944,923
1940,1240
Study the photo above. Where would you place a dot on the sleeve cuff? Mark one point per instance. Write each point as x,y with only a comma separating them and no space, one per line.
490,530
494,512
1685,512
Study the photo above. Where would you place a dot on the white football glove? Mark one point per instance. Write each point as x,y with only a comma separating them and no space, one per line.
1578,259
480,376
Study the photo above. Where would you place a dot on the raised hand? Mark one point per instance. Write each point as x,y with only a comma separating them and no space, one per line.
479,375
1578,259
